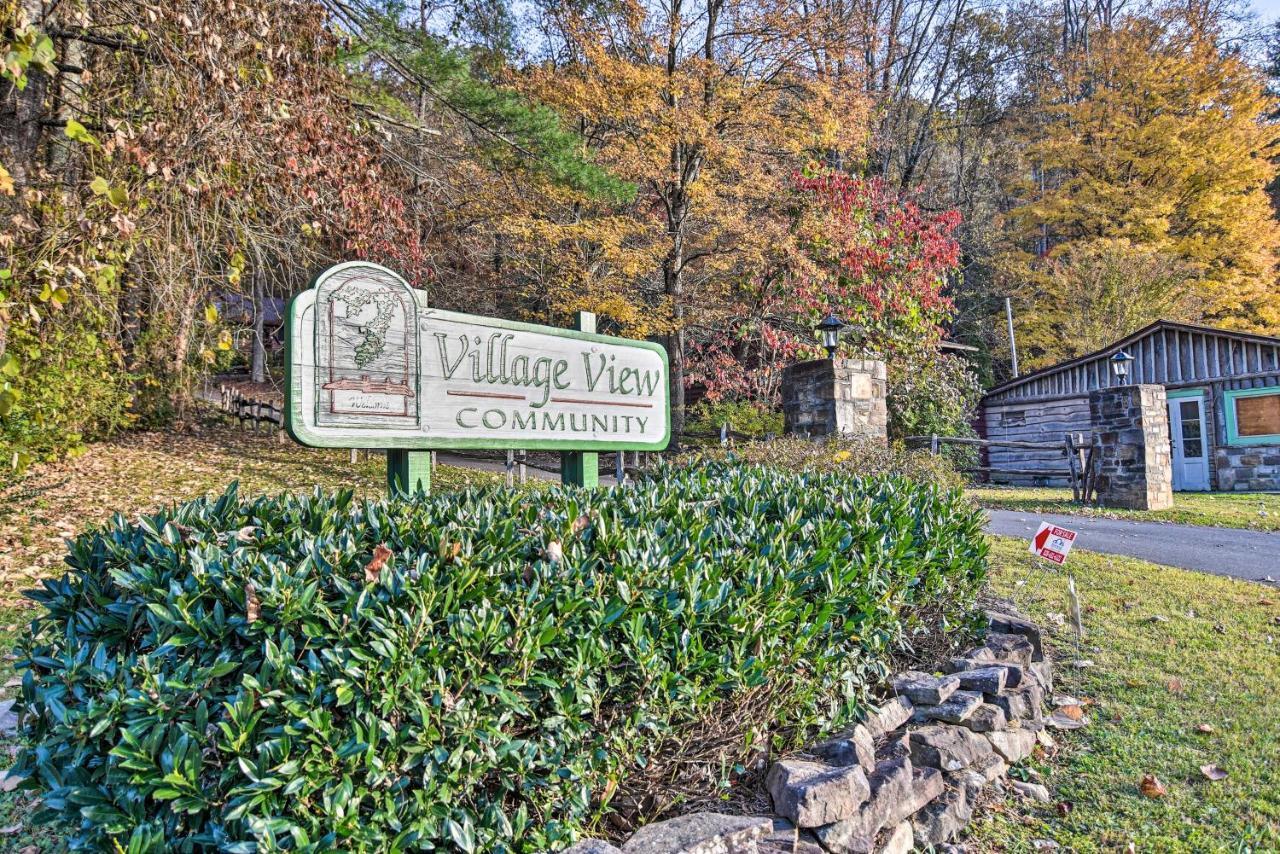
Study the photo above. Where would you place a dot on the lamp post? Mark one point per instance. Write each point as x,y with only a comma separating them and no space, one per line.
830,328
1120,366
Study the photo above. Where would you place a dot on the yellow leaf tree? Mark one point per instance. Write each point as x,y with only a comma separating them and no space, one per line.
707,106
1148,158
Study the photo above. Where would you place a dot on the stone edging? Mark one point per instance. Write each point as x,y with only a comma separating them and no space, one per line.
909,776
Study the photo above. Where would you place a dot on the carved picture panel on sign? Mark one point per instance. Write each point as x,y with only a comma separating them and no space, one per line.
366,343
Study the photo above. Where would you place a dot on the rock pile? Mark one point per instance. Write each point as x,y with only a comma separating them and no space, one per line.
909,776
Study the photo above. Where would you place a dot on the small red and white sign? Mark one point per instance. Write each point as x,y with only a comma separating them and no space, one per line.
1052,543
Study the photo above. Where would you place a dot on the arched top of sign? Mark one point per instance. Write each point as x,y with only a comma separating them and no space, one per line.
366,345
371,366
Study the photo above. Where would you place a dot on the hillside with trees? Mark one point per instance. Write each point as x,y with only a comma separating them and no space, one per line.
714,174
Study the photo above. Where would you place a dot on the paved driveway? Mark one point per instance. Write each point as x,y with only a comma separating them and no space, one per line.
1250,555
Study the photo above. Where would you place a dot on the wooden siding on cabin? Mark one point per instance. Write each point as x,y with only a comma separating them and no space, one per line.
1046,422
1166,356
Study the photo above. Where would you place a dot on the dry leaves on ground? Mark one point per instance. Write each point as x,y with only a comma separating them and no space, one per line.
1151,787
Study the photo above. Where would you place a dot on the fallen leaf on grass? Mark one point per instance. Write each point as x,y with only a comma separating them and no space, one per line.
1065,807
1151,787
554,552
1205,728
1213,772
245,534
9,782
10,830
373,569
1175,686
1075,713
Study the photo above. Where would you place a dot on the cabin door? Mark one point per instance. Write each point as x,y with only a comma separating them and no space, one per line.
1187,438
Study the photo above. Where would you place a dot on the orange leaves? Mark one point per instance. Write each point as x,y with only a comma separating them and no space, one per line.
252,607
373,569
1151,787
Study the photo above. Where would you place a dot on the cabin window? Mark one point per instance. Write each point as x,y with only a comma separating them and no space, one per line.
1253,416
1013,418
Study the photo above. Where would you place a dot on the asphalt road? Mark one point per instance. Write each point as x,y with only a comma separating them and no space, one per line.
1250,555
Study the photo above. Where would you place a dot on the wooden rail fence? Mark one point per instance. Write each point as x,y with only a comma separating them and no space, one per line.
250,410
1079,464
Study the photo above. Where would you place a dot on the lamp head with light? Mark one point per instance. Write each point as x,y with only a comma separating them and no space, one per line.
1120,365
830,328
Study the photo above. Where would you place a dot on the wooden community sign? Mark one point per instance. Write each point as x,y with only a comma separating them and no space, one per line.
369,365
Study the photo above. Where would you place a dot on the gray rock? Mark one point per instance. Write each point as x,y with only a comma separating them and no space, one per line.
8,719
891,783
924,689
979,656
895,746
855,747
1058,720
893,802
783,838
985,718
812,794
984,680
1011,625
1012,649
957,708
888,717
941,820
947,748
1013,745
899,840
1019,704
970,780
700,833
1033,791
592,846
1043,673
991,767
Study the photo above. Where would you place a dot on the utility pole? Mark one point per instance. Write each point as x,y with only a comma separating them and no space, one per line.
1013,344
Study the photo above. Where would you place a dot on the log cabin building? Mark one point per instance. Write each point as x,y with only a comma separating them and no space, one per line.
1223,391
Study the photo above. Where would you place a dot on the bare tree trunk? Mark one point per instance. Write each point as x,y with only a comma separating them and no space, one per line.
258,359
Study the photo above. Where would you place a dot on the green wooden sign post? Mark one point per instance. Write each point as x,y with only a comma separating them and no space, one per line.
408,472
581,468
370,365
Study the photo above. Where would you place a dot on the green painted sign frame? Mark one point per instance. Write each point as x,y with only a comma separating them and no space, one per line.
301,433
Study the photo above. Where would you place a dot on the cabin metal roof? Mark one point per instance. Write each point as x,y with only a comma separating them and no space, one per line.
1087,371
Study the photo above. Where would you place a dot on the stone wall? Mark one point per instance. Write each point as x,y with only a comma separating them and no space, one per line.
910,776
1252,468
1131,426
836,397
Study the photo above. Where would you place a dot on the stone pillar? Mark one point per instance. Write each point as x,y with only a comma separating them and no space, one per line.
1131,425
836,397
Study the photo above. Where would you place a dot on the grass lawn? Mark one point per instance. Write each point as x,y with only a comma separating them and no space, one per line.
1172,650
1257,510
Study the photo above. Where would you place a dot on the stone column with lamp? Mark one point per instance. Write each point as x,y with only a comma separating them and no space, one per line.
836,396
1131,427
